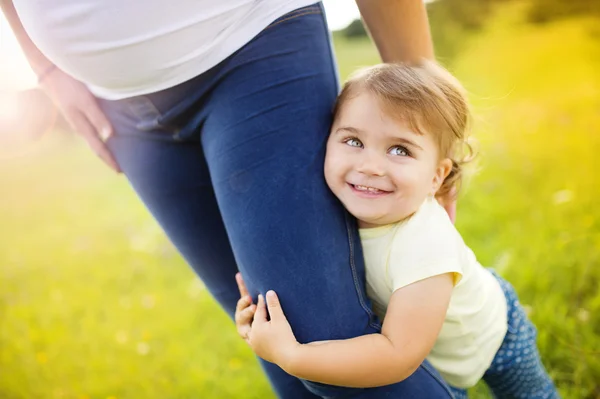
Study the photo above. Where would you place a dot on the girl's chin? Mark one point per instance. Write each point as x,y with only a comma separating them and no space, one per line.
380,219
369,219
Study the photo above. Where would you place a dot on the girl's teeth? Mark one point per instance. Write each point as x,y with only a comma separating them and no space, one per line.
365,188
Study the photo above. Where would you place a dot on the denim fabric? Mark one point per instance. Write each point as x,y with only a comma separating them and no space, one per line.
517,371
230,164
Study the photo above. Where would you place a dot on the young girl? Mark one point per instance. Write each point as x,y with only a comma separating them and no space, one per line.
394,145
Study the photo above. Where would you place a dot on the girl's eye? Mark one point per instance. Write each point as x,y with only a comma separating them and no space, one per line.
399,150
352,142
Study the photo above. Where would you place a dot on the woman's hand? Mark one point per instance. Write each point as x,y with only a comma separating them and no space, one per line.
272,340
71,97
448,201
81,110
244,311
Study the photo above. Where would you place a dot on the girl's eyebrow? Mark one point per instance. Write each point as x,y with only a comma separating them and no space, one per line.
350,129
408,142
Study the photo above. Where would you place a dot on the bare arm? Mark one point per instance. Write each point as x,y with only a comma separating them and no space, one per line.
413,321
39,63
399,28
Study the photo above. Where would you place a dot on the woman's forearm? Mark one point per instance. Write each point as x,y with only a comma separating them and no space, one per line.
39,63
367,361
399,28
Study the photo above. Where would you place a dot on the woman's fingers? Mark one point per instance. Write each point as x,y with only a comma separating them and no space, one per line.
98,120
448,202
81,109
83,126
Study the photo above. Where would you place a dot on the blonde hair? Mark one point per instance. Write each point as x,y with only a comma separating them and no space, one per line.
426,97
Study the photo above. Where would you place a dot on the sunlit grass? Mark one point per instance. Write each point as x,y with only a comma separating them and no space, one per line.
95,303
532,209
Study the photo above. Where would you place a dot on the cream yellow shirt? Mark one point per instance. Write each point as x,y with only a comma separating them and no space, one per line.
425,245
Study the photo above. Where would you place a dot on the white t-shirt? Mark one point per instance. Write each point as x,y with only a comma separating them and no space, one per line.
425,245
124,48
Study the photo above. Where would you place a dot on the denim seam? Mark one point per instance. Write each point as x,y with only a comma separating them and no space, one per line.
308,10
434,374
315,12
359,293
305,11
334,70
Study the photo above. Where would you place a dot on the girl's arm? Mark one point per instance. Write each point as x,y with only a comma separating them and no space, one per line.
412,323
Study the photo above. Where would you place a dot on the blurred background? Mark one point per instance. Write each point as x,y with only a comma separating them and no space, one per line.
96,303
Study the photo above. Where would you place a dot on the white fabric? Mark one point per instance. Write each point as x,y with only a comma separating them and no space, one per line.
425,245
124,48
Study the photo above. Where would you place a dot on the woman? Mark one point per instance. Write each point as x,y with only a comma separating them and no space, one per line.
218,112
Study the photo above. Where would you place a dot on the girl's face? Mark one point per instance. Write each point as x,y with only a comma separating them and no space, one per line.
378,168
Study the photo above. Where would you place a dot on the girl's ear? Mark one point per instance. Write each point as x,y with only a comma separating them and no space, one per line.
442,171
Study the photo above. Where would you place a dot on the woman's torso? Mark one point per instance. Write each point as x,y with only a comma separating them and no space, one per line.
127,48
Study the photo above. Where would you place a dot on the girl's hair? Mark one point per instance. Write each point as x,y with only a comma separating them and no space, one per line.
428,99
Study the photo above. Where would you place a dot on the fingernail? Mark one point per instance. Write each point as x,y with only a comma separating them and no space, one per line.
271,293
106,133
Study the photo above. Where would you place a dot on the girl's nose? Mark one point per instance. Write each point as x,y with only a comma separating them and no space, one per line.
372,165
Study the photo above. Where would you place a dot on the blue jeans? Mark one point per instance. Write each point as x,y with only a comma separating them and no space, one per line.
230,164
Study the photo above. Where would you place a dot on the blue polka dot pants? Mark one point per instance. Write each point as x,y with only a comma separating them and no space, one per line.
517,371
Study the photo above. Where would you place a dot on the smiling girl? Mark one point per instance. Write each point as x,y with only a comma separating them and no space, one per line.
395,144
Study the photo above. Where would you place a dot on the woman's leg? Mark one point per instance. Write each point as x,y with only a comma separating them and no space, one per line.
157,145
172,179
264,128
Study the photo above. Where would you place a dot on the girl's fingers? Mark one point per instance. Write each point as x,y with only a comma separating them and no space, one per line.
261,310
246,315
243,303
241,285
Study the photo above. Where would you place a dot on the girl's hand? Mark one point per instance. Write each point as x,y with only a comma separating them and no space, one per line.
244,311
272,340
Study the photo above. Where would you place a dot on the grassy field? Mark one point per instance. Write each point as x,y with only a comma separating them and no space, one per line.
95,303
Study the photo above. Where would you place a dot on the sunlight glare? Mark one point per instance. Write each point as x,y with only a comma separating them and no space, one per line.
10,111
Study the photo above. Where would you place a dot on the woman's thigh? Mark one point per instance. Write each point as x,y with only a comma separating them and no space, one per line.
172,180
264,136
264,133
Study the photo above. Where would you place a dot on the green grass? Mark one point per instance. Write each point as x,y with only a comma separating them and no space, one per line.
95,303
